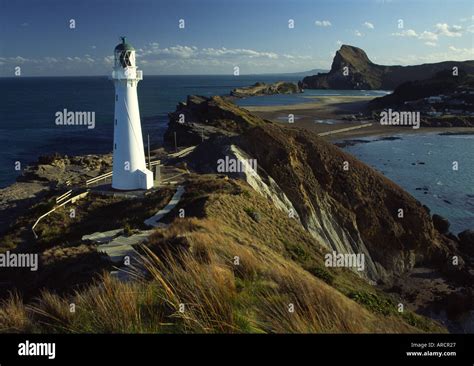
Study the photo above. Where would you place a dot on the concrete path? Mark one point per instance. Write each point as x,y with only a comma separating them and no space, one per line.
122,246
344,129
153,221
102,237
183,153
118,246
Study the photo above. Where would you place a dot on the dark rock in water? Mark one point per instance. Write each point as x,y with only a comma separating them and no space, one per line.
466,241
441,224
353,142
448,202
390,138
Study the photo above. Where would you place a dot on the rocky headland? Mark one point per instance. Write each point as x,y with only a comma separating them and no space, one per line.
305,198
353,210
352,69
259,88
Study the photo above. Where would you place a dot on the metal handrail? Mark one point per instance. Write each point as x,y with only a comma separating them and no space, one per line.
67,195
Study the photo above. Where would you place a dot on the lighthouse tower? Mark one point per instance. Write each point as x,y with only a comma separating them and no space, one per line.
129,167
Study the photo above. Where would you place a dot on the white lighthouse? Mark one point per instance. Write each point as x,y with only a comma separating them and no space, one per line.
129,167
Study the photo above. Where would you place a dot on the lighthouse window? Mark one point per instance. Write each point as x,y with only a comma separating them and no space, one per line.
115,146
125,58
115,121
116,97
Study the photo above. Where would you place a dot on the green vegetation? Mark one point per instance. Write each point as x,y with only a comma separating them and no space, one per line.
373,302
217,271
322,273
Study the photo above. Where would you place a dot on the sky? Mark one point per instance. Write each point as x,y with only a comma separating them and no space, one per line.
255,35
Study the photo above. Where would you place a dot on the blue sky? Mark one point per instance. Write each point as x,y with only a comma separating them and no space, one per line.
218,35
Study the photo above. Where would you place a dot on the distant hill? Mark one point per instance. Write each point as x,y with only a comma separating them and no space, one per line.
364,74
443,83
298,73
259,88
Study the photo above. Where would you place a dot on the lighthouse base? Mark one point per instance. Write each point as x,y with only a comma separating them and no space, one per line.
139,179
145,178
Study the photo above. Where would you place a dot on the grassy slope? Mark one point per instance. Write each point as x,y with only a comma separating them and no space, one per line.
192,263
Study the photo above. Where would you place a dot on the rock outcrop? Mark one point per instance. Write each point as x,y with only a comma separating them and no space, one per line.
441,223
350,211
49,173
59,169
352,69
466,241
280,87
200,118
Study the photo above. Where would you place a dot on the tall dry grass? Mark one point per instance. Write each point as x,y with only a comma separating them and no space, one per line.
192,284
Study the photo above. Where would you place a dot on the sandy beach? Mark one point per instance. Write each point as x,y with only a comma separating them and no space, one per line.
325,114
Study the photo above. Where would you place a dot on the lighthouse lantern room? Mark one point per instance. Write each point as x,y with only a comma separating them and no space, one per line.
129,167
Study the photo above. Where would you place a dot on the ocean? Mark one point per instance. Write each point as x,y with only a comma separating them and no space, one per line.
28,130
422,164
27,111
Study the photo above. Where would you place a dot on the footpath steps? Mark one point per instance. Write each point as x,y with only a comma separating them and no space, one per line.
118,246
153,221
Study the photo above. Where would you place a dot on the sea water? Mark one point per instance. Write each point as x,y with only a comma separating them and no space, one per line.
29,106
424,165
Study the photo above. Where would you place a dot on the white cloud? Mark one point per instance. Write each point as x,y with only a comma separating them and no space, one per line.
467,19
174,59
368,25
108,60
449,31
323,23
357,33
452,54
467,51
339,43
406,33
428,36
431,37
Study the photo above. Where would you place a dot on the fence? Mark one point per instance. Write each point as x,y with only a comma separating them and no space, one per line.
71,199
60,200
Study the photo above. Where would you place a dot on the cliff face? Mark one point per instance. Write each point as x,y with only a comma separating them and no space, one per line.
353,211
364,74
349,211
